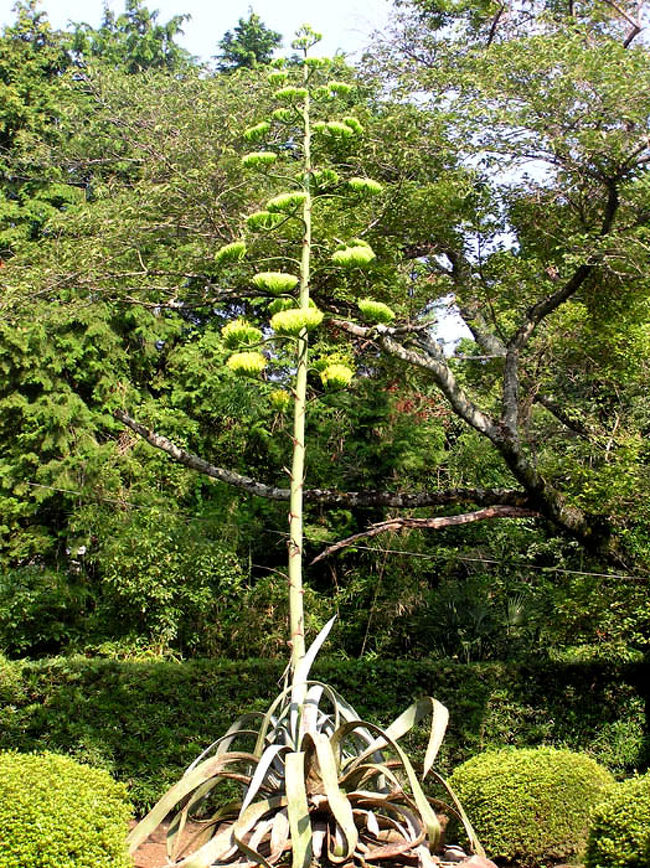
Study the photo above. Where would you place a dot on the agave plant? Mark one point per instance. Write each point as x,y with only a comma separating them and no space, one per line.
316,784
319,786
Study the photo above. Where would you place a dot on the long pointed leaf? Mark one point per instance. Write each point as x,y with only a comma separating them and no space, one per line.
299,822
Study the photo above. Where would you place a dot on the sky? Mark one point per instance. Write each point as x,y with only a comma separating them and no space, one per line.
345,24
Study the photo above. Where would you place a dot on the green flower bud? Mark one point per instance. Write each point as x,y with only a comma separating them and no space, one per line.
325,177
317,62
248,364
240,333
287,202
276,282
292,322
365,185
284,115
339,129
233,252
280,400
319,127
354,257
375,311
279,304
291,94
321,93
336,376
258,159
263,220
259,131
277,77
341,88
353,123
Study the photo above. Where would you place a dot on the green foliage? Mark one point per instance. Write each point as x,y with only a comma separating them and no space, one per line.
41,611
132,41
531,806
252,43
56,812
619,827
169,712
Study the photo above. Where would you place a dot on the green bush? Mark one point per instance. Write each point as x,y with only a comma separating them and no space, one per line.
619,827
530,805
56,813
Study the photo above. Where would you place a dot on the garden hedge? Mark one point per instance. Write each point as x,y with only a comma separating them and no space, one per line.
531,805
145,722
619,831
57,813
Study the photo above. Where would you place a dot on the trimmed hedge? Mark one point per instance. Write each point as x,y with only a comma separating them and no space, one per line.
531,805
619,831
57,813
145,722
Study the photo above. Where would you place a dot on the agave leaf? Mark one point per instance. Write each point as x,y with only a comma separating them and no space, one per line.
407,720
371,823
299,823
367,771
188,783
471,834
299,685
270,719
248,821
216,848
424,808
224,743
338,803
263,765
279,834
310,711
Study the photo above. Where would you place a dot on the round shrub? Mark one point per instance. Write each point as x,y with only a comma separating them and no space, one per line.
619,828
530,805
57,813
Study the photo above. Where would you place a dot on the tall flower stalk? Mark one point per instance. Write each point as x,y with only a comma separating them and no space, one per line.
319,786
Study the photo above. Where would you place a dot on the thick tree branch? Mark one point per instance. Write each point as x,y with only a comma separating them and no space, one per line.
569,422
539,311
369,498
395,524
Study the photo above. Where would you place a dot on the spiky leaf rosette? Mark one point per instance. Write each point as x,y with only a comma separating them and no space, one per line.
258,159
318,785
358,256
336,376
375,311
248,364
233,252
240,333
275,282
292,322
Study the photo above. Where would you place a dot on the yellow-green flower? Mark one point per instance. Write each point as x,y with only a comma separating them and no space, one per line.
263,220
292,322
276,282
240,333
376,311
233,252
257,132
247,364
280,400
336,376
258,159
358,256
365,185
287,202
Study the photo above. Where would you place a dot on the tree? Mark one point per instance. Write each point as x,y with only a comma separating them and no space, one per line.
133,41
252,43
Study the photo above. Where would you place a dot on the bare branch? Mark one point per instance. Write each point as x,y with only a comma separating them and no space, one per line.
395,524
396,500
